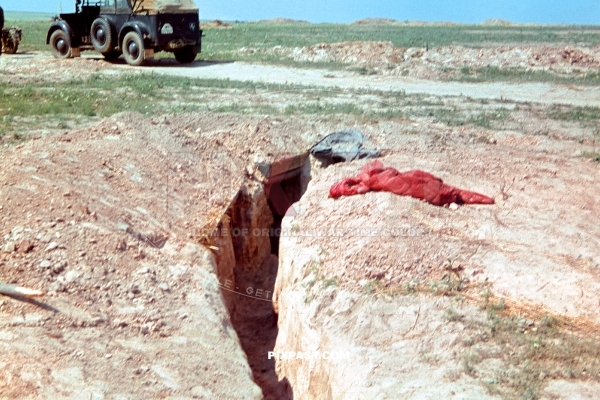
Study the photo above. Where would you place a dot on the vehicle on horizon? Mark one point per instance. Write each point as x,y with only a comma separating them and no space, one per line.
10,39
134,28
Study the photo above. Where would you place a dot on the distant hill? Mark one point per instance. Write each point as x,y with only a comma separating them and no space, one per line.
27,16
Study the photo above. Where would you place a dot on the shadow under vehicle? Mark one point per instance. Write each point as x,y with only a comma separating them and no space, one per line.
134,28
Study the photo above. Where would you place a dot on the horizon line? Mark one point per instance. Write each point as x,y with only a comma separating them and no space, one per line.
367,20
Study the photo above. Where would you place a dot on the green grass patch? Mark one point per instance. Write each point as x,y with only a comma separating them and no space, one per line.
11,16
34,34
54,105
572,113
260,35
594,156
495,74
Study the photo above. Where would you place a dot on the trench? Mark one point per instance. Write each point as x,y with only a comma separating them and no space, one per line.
247,262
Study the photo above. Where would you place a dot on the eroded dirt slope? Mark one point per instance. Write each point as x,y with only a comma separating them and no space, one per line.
358,274
107,220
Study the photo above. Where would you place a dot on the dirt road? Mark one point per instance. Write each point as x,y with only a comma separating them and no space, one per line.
525,92
545,93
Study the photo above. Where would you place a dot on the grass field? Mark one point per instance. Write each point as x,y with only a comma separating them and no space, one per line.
64,104
223,44
11,16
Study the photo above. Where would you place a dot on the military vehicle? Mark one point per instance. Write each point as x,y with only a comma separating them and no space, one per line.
10,40
134,28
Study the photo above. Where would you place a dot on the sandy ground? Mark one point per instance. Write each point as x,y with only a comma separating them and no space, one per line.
98,217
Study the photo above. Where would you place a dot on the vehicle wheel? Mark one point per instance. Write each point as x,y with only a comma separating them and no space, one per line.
111,55
133,49
60,45
102,37
186,54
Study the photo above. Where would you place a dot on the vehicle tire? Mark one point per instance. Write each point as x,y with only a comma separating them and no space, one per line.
102,37
186,54
60,45
133,49
111,55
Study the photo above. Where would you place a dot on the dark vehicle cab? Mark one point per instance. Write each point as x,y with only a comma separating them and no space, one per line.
135,28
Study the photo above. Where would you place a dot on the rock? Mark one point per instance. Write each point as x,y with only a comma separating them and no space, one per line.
46,238
25,246
164,287
134,289
121,245
142,271
45,264
9,247
57,287
52,246
59,267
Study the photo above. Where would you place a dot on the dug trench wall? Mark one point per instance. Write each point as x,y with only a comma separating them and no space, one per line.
360,277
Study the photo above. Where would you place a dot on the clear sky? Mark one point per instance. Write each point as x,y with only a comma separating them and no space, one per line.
469,11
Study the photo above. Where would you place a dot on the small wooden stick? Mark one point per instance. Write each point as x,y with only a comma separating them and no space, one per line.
14,290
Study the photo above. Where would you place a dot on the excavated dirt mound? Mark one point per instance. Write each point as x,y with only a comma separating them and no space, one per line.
108,220
386,59
563,59
376,21
216,24
282,21
357,274
46,69
517,244
355,53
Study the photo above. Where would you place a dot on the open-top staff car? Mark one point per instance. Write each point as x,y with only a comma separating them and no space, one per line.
135,28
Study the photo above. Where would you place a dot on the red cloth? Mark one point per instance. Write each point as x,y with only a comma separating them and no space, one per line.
419,184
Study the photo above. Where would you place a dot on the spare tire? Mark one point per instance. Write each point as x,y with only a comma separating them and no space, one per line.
102,37
186,54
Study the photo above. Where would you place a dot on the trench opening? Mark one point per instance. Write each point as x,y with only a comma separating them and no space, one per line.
255,219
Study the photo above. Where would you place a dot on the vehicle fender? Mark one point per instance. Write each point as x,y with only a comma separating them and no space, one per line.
142,29
63,26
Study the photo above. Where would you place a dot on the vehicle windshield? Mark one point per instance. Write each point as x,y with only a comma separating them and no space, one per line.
164,5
